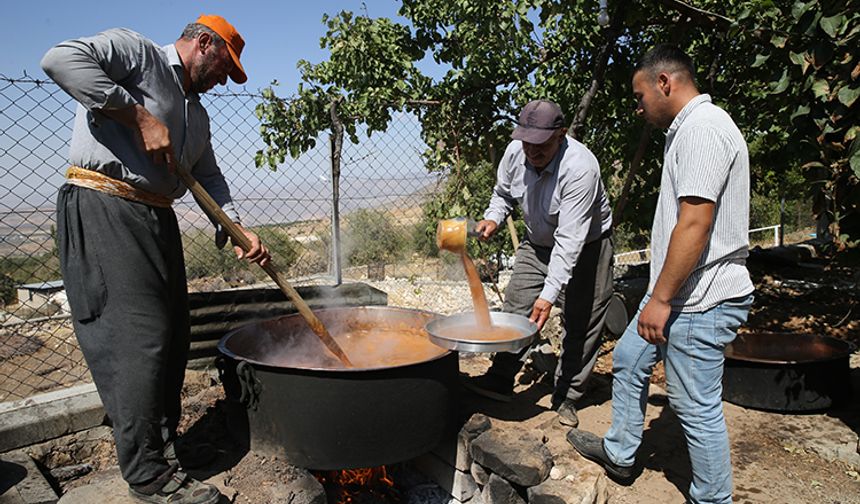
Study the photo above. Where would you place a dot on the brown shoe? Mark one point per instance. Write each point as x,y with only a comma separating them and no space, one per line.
180,488
567,413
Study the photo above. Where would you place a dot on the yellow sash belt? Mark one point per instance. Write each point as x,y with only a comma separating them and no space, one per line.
90,179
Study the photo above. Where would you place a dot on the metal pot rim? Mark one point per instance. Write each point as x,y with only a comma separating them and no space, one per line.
222,344
528,333
847,348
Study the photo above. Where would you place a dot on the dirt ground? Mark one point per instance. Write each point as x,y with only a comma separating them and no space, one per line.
791,458
774,455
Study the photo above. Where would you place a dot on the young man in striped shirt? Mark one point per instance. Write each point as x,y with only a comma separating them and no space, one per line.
700,290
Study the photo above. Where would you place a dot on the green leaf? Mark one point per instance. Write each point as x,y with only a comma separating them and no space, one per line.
782,84
820,88
802,110
800,59
812,164
855,148
847,96
760,60
795,58
832,25
851,134
798,9
855,160
778,41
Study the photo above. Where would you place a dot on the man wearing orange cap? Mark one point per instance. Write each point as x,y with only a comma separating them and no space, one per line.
120,249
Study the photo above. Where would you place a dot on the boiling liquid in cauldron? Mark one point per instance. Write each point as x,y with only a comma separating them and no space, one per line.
369,346
374,347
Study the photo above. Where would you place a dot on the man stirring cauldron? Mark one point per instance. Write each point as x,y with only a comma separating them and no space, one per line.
120,249
566,256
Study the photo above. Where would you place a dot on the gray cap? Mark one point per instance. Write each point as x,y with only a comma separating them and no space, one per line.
539,119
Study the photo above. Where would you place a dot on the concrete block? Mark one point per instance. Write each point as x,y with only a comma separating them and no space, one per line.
461,485
455,451
50,415
21,482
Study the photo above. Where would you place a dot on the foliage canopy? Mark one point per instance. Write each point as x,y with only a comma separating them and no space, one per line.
786,71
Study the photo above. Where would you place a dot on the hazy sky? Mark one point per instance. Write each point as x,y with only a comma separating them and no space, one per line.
277,33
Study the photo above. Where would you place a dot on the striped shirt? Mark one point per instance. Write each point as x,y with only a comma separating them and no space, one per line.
706,157
564,205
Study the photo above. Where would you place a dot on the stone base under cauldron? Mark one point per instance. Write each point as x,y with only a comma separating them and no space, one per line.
498,462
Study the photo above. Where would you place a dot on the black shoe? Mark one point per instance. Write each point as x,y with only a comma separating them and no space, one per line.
492,386
591,447
567,413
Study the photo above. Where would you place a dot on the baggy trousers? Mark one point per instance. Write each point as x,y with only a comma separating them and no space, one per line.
584,302
124,275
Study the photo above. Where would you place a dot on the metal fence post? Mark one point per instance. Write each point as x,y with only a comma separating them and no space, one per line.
336,139
780,240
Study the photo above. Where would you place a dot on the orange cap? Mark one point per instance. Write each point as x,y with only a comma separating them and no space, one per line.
234,41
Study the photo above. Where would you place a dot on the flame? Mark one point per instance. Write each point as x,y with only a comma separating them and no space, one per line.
346,486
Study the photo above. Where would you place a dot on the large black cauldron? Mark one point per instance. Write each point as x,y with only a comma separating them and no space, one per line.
329,419
787,372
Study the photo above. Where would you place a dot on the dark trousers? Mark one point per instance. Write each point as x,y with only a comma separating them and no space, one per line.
124,275
584,303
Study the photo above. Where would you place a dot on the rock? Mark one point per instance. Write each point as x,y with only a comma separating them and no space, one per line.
499,491
517,457
106,487
557,472
479,473
475,426
429,492
70,471
22,482
569,490
478,498
305,489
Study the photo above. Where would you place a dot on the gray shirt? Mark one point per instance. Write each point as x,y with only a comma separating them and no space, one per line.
706,157
119,68
564,206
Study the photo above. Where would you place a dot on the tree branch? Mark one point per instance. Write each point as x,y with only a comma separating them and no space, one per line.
599,71
697,13
644,138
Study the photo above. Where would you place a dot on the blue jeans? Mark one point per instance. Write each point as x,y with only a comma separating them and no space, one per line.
693,356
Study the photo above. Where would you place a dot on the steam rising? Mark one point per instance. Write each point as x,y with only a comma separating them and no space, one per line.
372,338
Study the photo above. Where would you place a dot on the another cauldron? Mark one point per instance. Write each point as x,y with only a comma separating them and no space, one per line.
787,372
329,418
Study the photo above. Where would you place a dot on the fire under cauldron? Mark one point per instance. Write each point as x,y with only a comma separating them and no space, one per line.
314,413
787,372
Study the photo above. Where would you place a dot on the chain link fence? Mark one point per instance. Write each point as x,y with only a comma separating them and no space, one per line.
380,228
382,187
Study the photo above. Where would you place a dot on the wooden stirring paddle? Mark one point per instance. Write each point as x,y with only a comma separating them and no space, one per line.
239,238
